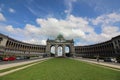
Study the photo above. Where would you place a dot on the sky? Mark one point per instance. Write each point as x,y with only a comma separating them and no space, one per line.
86,21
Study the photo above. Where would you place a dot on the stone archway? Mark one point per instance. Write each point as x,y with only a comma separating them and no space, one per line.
60,41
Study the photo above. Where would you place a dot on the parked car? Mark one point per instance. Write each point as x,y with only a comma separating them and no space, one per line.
118,59
107,60
1,58
6,59
18,58
11,58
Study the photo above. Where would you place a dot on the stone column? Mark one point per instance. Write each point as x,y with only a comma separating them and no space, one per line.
114,45
56,50
63,51
72,50
48,49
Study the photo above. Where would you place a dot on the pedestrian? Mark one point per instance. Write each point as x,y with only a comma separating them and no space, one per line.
97,59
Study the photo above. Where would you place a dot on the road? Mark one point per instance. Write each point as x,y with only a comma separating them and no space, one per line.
15,61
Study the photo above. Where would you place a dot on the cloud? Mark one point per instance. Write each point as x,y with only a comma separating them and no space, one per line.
72,27
35,41
10,28
2,18
107,22
103,6
107,19
110,31
76,27
32,11
11,10
31,28
36,9
15,31
69,5
1,7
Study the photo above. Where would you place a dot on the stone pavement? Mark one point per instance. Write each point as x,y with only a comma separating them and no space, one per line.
111,65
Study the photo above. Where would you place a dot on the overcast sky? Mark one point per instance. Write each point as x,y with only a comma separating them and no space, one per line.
85,21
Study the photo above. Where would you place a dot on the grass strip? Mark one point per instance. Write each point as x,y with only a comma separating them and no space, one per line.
99,65
63,69
11,68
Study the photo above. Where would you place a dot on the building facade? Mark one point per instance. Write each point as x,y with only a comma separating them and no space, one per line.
109,48
12,47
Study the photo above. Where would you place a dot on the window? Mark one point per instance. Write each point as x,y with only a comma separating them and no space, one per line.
119,42
0,40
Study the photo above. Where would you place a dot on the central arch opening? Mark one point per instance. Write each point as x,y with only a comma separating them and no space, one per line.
60,51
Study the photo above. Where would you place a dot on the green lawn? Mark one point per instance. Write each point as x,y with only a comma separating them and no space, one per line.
63,69
11,68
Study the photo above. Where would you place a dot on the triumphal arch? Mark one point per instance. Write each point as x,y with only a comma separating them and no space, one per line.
60,42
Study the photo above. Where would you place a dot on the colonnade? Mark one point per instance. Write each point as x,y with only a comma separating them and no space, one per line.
109,48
